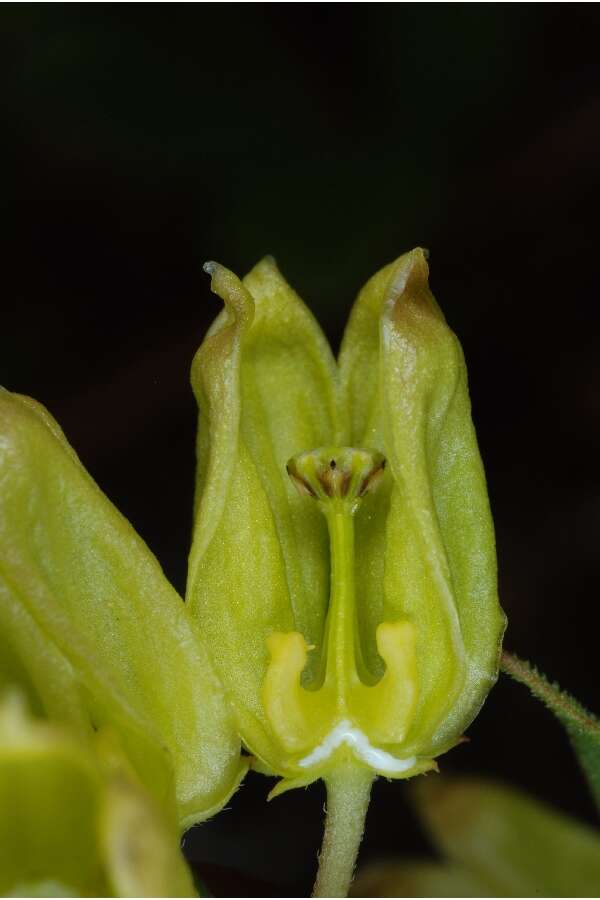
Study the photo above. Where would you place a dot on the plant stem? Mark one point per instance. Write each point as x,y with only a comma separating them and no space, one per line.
348,792
582,726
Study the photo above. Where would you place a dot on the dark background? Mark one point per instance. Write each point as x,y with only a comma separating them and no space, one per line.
141,140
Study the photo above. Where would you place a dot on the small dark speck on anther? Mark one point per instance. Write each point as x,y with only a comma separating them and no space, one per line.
332,464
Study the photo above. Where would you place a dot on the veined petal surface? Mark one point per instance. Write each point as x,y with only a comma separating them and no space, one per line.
434,563
265,381
84,602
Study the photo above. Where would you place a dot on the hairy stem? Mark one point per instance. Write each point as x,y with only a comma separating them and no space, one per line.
348,792
582,726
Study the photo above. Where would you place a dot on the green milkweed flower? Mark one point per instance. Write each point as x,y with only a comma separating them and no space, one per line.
342,614
343,564
91,630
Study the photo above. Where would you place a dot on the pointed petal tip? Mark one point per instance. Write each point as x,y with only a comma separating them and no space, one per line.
418,258
410,274
266,270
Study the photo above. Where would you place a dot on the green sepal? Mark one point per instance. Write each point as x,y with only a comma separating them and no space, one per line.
289,784
86,614
582,726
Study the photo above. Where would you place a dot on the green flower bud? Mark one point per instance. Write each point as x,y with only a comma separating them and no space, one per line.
343,563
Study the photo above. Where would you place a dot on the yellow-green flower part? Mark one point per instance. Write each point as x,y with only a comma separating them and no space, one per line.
343,565
75,821
91,630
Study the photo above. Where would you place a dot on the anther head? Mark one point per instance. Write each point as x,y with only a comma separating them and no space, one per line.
346,473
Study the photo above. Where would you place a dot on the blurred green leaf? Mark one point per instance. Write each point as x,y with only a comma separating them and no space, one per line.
418,879
497,842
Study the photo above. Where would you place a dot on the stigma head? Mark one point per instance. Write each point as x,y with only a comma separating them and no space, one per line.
336,473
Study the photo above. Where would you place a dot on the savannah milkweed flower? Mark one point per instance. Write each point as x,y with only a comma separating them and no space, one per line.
343,563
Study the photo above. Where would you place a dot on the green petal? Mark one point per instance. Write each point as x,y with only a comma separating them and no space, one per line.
520,847
240,597
85,603
30,660
289,393
265,382
439,566
72,826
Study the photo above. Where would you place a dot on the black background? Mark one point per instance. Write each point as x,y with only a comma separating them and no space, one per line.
140,140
